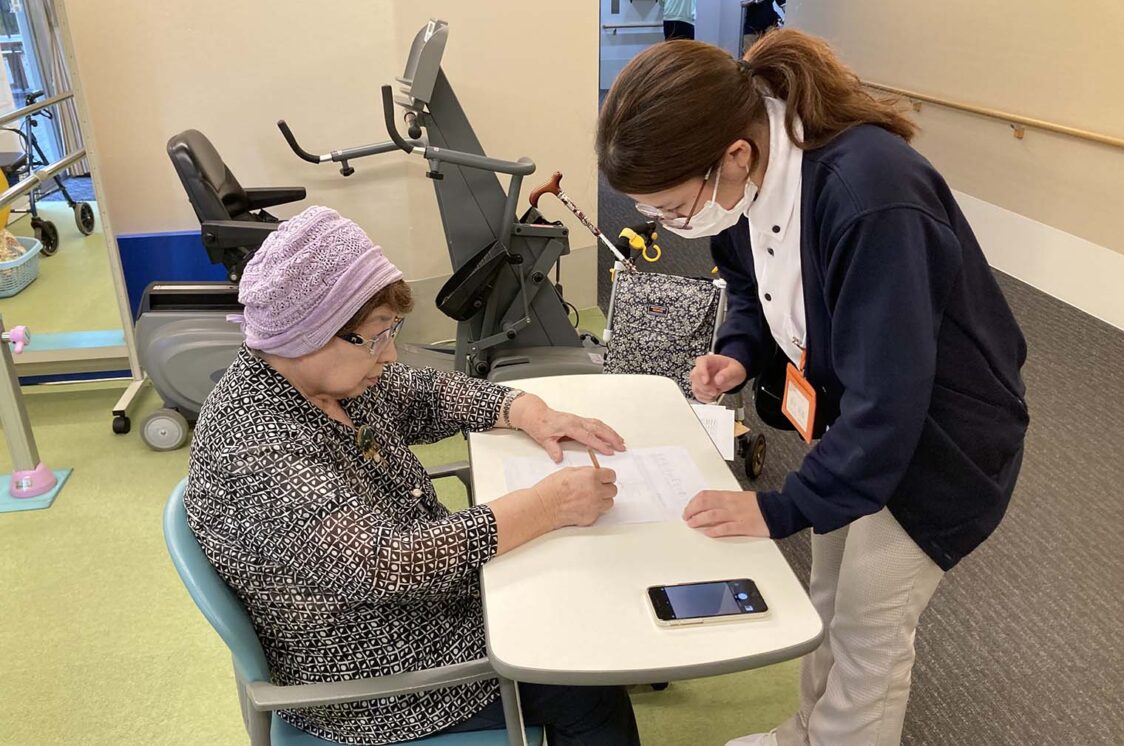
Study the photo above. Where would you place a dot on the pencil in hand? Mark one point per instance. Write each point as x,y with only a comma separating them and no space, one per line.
593,458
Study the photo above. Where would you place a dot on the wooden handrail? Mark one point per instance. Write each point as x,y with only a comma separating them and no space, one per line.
1017,121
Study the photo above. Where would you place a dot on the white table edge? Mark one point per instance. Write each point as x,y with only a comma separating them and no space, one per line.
532,675
652,675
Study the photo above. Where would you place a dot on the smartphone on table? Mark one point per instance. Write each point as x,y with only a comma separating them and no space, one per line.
705,602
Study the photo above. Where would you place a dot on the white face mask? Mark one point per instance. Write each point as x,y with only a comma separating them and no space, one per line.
712,218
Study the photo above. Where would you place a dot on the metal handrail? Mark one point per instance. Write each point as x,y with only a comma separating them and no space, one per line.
41,176
615,26
12,116
1017,121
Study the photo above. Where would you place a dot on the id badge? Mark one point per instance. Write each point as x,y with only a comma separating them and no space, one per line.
799,403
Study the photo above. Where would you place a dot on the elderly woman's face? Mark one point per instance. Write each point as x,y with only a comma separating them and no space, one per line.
351,366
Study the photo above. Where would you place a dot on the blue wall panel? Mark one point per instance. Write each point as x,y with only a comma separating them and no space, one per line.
164,257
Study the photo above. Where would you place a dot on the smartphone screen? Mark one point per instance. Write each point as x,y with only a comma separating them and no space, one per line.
710,599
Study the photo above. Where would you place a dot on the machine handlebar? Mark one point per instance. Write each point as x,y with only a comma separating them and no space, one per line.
292,140
388,116
522,167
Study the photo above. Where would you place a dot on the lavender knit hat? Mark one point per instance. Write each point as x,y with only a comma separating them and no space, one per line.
307,280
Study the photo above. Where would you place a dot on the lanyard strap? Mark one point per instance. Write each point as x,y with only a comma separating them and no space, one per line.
803,351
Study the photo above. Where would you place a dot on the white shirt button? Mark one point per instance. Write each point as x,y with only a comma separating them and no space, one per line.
416,492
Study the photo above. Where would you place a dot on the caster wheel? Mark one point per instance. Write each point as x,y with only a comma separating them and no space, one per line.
165,430
660,686
122,425
84,218
47,234
755,457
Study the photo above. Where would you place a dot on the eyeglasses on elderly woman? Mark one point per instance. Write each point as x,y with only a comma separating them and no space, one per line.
377,343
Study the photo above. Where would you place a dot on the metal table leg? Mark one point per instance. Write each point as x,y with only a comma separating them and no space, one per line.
512,713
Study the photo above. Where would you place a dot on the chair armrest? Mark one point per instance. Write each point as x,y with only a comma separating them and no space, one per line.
260,197
265,696
233,234
458,469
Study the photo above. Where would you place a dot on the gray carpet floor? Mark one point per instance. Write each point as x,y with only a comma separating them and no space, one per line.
1023,642
80,188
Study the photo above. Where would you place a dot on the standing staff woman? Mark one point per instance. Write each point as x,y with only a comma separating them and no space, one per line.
845,250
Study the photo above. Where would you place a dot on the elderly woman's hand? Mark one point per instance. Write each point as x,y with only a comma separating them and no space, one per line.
576,496
549,427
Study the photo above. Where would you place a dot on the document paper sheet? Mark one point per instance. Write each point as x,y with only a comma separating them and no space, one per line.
719,424
653,484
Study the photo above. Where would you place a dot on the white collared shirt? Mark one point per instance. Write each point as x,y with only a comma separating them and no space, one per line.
774,233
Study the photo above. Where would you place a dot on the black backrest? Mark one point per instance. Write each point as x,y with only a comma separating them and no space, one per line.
211,187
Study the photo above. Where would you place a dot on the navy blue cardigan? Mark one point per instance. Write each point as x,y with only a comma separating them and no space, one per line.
913,351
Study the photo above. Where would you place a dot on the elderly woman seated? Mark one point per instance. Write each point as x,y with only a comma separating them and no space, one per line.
305,496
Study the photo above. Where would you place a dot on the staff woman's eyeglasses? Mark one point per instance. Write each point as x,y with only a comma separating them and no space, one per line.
670,219
377,343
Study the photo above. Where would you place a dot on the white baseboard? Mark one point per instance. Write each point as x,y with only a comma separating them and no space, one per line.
1071,269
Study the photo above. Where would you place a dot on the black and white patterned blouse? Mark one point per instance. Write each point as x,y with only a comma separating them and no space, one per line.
348,566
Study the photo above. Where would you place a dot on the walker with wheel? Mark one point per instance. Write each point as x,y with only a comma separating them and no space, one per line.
20,165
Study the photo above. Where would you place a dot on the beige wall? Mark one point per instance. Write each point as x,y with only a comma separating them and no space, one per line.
1054,61
231,69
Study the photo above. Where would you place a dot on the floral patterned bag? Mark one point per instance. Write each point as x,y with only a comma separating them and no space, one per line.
658,324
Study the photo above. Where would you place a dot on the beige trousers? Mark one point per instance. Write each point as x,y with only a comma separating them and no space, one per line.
870,582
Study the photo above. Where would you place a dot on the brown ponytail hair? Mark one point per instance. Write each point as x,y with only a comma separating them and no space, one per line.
677,106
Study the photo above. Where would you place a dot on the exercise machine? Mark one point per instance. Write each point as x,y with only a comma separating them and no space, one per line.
512,321
184,340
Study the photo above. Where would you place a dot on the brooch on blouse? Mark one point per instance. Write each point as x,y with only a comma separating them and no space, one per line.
365,439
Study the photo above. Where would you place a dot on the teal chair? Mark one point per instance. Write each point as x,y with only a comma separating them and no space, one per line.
260,699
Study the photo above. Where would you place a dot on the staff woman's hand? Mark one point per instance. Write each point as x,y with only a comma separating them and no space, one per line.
726,513
549,428
714,375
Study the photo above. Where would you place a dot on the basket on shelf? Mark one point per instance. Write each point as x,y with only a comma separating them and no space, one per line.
20,272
